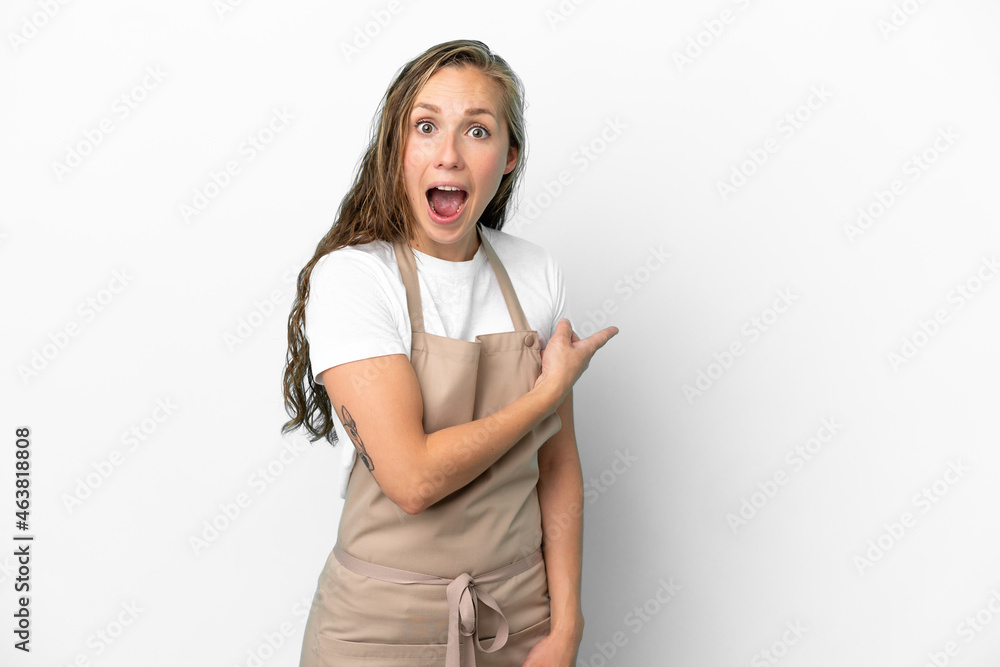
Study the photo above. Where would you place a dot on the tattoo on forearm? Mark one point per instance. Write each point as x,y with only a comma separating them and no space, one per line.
352,430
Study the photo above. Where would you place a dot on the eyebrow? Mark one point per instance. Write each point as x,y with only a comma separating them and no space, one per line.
475,111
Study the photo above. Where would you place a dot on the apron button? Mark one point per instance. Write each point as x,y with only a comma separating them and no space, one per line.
529,340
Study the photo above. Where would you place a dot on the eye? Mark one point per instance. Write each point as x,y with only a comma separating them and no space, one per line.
482,132
421,124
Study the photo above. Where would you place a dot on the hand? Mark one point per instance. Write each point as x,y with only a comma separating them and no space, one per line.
565,357
553,651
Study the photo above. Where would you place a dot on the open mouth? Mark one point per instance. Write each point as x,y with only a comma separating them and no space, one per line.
446,203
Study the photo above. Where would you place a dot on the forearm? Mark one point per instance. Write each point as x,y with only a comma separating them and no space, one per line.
452,457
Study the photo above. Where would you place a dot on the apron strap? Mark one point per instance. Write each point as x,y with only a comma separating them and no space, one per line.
463,600
507,287
408,272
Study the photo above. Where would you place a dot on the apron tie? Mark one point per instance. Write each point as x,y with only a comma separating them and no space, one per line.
463,615
463,600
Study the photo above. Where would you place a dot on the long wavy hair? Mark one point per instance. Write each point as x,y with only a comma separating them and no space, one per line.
376,207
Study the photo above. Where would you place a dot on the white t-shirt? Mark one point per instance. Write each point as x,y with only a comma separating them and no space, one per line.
357,304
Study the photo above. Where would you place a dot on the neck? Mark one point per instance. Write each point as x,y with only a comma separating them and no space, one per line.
448,252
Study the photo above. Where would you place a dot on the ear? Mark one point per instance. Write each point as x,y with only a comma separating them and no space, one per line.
511,159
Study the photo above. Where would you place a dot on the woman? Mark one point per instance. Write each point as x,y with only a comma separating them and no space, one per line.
464,461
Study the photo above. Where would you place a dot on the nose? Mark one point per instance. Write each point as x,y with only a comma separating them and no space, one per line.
448,154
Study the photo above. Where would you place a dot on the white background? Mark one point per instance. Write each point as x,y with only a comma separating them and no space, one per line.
895,77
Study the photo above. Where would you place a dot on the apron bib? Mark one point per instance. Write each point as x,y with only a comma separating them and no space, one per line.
426,589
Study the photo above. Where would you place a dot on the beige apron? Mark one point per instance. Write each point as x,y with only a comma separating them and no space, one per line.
431,588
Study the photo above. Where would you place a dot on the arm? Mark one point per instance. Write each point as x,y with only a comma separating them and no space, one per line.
560,495
378,400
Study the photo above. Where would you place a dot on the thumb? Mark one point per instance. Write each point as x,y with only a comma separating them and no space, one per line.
569,325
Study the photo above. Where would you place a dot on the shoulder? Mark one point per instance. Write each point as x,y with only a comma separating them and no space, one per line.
372,261
517,251
358,278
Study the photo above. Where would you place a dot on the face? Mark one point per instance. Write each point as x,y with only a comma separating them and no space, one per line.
455,154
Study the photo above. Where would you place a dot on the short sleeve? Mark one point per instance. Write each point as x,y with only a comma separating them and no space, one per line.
560,303
348,315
